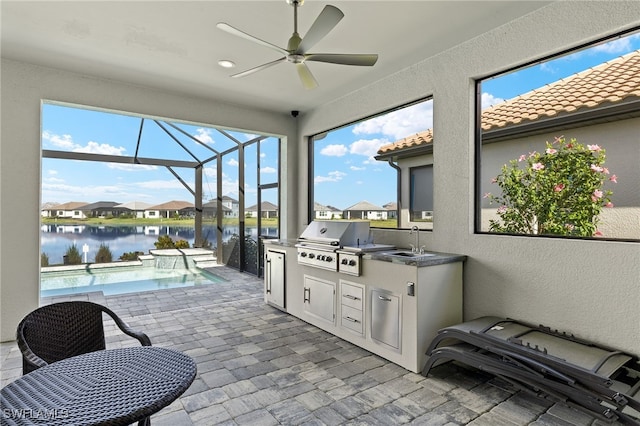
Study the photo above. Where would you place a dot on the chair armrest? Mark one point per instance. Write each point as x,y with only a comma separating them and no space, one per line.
142,338
30,360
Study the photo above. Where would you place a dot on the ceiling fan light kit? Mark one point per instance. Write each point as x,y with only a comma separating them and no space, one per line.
297,47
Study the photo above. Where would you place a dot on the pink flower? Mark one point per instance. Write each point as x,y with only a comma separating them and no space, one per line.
596,168
595,148
502,209
494,180
605,170
569,226
614,178
559,187
531,154
537,166
487,195
522,158
598,234
551,151
597,194
609,204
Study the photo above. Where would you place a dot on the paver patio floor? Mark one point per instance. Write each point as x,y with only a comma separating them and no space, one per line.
260,366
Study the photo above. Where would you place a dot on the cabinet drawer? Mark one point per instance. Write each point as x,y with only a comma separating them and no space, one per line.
352,319
352,296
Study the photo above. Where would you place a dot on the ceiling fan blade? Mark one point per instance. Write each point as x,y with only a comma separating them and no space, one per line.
236,32
308,80
359,59
324,23
259,68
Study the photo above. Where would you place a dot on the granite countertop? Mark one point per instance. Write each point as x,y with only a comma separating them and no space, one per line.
437,258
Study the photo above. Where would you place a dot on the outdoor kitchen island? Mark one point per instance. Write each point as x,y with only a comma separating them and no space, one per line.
392,305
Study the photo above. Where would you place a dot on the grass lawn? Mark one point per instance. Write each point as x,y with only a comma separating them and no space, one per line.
95,221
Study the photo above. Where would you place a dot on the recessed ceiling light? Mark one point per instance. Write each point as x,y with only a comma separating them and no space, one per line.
225,63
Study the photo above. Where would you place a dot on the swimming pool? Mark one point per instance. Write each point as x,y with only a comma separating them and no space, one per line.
122,280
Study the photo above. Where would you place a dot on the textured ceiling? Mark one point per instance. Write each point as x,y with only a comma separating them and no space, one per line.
175,45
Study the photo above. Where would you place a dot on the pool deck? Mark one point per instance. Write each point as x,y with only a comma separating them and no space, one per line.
260,366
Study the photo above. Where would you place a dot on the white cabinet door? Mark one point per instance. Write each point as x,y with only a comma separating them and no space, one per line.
320,298
274,278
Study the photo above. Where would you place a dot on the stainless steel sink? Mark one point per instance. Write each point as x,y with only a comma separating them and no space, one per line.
407,254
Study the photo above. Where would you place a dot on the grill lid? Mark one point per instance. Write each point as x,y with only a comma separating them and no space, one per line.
336,233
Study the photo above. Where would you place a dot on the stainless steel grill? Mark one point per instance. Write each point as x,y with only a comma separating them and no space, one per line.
336,245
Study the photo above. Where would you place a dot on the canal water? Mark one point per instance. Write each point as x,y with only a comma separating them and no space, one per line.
56,239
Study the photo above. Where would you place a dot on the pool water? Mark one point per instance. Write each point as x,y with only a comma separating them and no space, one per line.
122,280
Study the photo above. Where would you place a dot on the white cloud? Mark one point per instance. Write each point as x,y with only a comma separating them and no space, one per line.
161,184
131,167
334,150
84,191
204,136
53,180
400,123
489,100
66,143
367,147
621,45
548,68
210,171
52,172
356,168
268,170
334,176
232,162
100,148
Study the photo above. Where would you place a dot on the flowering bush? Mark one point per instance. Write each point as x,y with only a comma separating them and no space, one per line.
560,191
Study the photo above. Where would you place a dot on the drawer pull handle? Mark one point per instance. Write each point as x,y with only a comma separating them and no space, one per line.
386,299
351,319
348,296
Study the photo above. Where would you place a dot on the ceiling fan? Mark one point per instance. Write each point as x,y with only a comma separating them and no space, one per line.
297,48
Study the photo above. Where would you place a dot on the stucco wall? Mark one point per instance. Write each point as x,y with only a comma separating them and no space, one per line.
591,288
23,88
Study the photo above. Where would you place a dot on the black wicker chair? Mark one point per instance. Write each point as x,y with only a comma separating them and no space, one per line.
62,330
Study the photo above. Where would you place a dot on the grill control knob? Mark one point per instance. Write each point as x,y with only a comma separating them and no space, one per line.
328,258
311,255
352,262
303,254
344,261
321,257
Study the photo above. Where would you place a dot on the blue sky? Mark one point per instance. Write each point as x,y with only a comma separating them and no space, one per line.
345,173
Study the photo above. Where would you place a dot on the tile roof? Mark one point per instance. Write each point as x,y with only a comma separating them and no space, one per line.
173,205
71,205
418,139
364,205
134,205
608,83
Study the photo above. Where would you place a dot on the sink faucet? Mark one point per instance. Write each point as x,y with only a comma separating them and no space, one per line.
416,248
